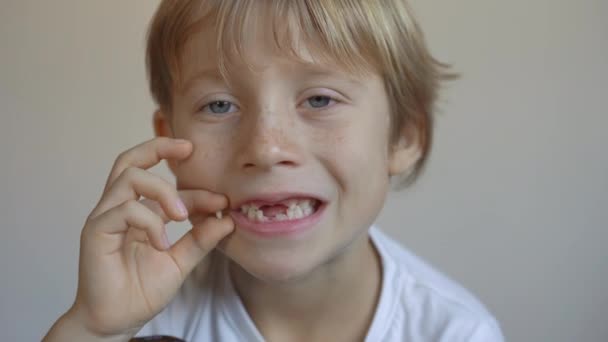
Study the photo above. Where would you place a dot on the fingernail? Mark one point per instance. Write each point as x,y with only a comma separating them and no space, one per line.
182,208
166,242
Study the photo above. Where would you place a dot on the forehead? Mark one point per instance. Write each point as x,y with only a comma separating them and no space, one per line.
256,50
258,40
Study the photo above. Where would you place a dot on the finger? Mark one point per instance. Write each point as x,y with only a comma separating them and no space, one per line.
195,201
129,214
191,248
148,154
135,182
136,235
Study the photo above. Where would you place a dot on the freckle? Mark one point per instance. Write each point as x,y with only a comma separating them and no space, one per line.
337,139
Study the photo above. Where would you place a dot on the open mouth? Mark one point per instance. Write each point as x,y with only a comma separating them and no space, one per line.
287,210
279,214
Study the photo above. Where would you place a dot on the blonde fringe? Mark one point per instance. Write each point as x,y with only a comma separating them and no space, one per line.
379,36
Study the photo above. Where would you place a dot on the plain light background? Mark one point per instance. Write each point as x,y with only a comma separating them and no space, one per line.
513,205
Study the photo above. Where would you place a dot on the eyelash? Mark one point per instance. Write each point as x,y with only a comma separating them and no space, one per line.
206,106
332,101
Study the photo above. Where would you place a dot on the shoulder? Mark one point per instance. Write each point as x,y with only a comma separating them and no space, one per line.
427,305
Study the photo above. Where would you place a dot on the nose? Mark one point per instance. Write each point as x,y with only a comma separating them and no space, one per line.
268,140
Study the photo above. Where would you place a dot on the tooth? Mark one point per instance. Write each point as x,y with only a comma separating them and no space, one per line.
291,203
245,209
259,215
281,217
298,214
251,213
307,211
305,204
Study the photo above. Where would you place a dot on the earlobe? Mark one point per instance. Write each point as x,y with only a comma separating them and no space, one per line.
404,156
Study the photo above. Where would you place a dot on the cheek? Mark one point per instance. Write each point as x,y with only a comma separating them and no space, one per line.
205,167
358,165
355,152
357,156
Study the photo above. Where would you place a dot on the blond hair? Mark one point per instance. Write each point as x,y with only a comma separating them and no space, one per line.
373,35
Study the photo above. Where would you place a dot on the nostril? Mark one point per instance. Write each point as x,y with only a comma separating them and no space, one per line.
287,163
265,156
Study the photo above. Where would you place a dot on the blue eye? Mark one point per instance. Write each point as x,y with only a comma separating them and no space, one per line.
319,101
219,107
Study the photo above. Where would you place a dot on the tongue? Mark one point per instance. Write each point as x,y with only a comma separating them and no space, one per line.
273,210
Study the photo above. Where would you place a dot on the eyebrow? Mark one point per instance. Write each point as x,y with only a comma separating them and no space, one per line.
331,70
345,77
310,70
207,73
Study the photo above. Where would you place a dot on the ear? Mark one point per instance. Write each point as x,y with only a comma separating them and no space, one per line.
404,153
162,128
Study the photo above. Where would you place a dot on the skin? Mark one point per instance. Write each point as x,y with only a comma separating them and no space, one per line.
273,139
127,270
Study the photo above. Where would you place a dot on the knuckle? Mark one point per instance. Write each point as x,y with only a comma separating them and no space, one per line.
122,159
88,225
130,206
130,172
92,215
91,224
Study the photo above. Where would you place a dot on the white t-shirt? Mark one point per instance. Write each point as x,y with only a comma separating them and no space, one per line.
416,303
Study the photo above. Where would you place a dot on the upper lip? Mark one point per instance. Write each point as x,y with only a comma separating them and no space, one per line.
272,198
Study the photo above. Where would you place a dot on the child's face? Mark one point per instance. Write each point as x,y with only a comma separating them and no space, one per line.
286,129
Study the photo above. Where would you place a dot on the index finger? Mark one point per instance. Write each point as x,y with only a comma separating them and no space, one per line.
195,201
148,154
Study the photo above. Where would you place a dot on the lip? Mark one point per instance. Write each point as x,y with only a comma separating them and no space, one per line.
277,228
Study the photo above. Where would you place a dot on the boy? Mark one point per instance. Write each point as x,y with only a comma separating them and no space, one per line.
283,122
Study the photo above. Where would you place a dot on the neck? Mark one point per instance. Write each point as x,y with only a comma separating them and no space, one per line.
341,293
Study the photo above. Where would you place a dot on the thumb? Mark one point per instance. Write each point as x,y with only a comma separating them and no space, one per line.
191,248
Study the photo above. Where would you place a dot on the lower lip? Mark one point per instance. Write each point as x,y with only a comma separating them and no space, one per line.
278,228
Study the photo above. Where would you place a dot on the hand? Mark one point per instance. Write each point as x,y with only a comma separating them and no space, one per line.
128,272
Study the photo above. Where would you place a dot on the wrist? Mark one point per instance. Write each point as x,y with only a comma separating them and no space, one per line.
71,327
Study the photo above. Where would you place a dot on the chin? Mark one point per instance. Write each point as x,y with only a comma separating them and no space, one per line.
277,273
276,266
